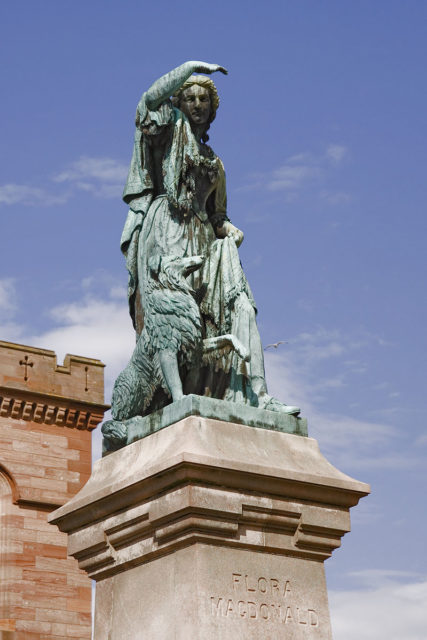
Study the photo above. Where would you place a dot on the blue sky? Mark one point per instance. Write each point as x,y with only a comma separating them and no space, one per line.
322,131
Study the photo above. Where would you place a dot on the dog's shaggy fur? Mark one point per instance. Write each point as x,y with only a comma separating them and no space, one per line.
172,322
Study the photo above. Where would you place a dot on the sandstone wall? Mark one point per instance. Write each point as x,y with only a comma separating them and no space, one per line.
47,413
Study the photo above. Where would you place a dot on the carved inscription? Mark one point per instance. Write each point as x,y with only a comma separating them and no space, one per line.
262,598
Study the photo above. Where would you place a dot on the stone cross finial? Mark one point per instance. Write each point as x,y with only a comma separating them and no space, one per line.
25,362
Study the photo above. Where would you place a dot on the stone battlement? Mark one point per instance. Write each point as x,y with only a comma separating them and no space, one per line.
33,387
36,370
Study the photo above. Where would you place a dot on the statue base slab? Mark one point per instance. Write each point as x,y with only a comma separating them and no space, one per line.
208,529
203,406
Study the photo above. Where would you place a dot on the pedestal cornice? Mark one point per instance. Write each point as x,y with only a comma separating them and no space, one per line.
207,481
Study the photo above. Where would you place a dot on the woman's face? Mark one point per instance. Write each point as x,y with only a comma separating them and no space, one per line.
195,103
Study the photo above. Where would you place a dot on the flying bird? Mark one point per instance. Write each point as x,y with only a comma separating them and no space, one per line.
275,344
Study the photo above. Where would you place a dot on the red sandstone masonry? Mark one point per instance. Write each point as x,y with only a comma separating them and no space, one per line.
47,412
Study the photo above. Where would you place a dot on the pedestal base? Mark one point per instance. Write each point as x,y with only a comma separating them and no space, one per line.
208,529
206,592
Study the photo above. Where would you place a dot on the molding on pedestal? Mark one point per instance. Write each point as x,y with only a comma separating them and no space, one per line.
181,517
204,480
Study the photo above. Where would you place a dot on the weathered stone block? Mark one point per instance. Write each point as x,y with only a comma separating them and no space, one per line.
208,529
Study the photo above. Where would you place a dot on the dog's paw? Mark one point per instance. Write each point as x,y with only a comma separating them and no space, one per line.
114,431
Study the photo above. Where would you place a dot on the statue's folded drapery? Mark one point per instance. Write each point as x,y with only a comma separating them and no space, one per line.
175,223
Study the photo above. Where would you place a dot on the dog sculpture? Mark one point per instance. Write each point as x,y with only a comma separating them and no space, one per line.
171,337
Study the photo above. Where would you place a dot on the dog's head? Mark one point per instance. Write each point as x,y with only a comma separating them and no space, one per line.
171,271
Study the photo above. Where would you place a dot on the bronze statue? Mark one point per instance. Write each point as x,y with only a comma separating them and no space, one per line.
190,302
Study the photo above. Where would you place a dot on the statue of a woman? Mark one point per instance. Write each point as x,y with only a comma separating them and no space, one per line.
177,198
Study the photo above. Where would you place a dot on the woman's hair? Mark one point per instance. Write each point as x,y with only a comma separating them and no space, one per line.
206,83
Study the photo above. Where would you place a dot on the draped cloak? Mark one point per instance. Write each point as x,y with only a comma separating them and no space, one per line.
174,222
181,161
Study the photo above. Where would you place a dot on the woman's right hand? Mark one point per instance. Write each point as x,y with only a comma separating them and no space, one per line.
205,67
166,86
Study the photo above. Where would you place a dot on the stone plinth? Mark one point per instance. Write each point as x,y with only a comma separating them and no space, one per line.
47,413
204,407
210,529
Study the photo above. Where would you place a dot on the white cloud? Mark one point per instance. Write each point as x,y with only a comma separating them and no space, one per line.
378,578
102,169
336,153
296,374
297,172
306,169
118,292
293,177
9,329
305,172
381,385
7,297
11,194
103,177
335,197
391,609
93,327
368,513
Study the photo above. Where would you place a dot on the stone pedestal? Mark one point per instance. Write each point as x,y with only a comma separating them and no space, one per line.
209,529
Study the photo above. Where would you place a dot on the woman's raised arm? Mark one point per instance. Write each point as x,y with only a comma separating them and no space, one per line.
166,86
